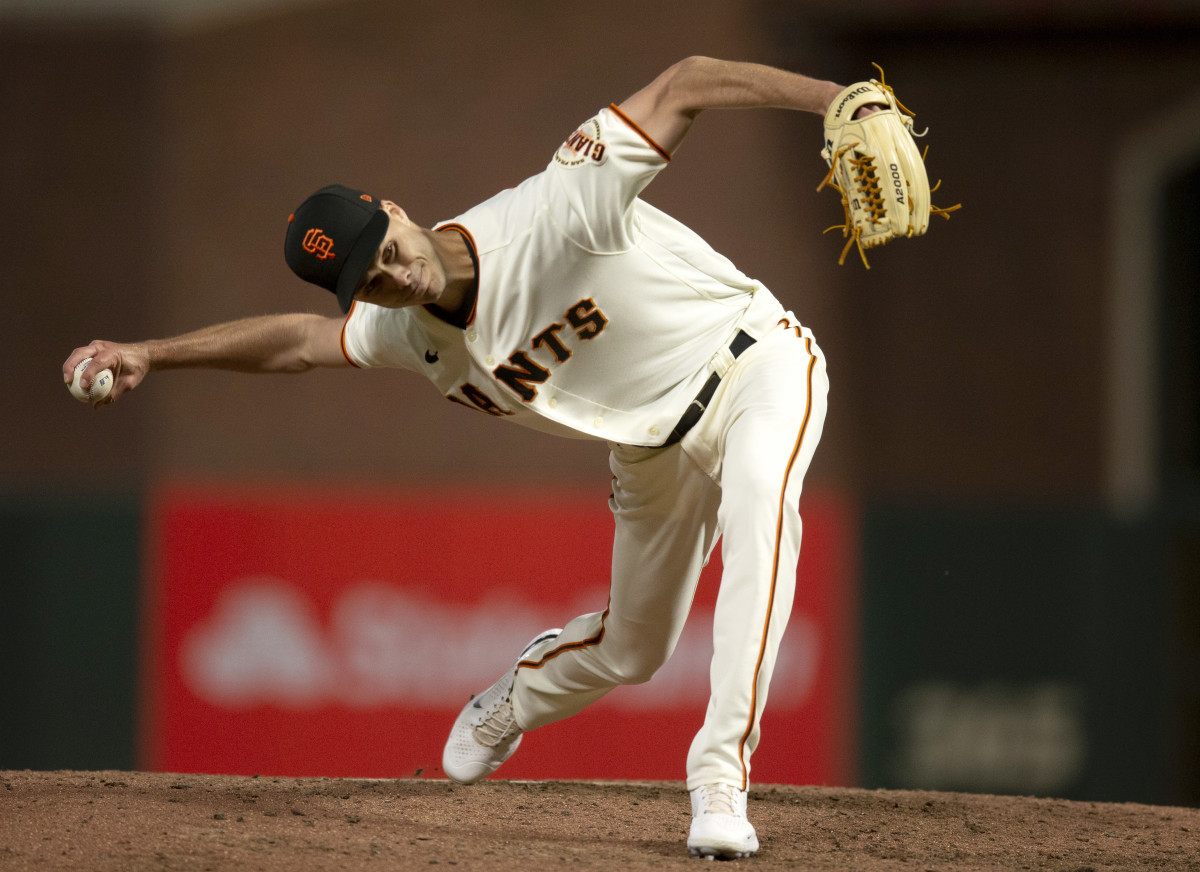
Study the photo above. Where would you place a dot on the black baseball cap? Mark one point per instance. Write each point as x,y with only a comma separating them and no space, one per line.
332,238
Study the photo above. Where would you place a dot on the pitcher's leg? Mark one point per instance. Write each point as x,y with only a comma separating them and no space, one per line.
776,422
665,514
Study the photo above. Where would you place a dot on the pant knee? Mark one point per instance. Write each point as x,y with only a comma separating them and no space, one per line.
639,675
637,667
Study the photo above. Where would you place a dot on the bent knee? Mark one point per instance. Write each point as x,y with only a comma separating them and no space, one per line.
637,667
638,676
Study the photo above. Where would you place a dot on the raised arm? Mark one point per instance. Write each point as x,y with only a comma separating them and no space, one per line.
272,343
666,108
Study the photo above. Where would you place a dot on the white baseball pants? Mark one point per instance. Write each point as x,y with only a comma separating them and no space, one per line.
736,476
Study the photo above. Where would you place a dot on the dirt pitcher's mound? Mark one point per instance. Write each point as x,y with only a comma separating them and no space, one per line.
135,820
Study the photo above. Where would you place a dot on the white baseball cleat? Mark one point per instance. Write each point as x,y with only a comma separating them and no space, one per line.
485,733
719,824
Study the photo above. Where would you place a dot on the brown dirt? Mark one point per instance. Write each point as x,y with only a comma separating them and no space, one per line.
136,820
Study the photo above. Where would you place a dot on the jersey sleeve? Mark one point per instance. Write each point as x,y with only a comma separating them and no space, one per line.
376,336
598,173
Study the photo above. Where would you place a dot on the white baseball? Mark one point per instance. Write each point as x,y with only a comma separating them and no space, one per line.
100,387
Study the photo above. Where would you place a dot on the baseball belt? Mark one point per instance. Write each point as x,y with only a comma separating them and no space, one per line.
740,343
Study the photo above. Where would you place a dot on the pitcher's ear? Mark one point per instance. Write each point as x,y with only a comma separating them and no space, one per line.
391,208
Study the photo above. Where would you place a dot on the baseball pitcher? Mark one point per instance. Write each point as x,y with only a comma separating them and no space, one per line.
570,305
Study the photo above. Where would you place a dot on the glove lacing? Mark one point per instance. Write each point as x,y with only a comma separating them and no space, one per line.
867,183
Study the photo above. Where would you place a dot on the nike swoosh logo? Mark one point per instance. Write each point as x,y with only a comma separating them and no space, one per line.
431,357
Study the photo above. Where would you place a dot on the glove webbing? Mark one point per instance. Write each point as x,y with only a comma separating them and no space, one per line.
868,184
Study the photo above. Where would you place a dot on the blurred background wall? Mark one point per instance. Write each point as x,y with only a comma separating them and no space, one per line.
1014,408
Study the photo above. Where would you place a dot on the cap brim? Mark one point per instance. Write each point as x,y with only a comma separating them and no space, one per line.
360,258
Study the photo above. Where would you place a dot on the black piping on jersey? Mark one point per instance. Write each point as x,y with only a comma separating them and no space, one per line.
442,314
663,153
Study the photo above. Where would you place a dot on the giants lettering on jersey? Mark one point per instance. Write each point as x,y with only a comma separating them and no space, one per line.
586,320
584,146
479,400
523,372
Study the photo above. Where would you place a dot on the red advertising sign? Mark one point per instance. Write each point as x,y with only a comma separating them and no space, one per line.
313,631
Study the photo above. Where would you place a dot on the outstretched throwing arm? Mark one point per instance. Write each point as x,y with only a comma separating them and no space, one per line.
272,343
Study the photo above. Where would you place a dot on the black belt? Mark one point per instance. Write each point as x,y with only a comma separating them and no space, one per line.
740,343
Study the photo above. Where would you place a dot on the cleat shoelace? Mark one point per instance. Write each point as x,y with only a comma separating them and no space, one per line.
718,799
498,726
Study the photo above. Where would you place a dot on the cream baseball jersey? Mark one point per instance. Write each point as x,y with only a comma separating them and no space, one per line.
597,316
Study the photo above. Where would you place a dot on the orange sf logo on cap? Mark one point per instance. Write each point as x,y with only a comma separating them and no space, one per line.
316,242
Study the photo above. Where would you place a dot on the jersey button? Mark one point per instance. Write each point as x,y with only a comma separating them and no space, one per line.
491,361
552,403
598,422
472,335
654,430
